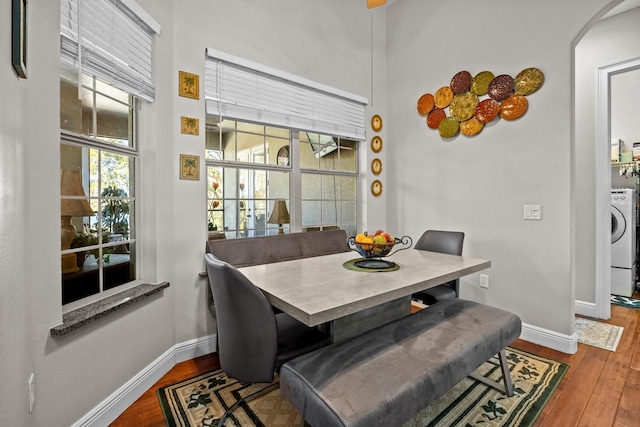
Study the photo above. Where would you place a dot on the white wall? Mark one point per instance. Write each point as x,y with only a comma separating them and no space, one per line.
611,41
479,185
327,41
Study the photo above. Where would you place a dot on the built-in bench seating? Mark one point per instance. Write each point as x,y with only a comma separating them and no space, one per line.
280,247
387,375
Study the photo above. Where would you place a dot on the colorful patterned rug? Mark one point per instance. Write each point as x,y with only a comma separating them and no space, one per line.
625,301
201,401
598,334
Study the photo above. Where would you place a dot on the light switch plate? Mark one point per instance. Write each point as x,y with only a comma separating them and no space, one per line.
533,212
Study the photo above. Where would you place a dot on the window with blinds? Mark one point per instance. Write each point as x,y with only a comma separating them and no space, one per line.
111,40
242,90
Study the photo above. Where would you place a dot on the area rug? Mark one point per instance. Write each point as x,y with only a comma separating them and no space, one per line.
201,401
598,334
625,301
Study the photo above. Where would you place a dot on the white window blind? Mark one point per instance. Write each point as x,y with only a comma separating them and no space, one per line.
116,42
242,90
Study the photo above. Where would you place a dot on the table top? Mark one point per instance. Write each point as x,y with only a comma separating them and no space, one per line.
319,289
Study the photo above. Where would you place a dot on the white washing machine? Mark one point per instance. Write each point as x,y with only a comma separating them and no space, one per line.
623,241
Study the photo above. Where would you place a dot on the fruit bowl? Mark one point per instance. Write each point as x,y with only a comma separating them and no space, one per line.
373,251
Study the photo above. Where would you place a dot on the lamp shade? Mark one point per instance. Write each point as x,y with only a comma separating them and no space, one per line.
71,185
280,213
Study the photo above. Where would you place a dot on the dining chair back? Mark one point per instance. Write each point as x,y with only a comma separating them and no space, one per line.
253,341
448,242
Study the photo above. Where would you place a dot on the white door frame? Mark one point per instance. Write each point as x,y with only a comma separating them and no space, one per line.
603,185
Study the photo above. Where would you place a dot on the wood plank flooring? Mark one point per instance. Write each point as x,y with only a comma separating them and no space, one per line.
601,388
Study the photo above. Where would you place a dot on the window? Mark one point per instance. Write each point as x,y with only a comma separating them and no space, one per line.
270,136
98,157
251,166
106,69
244,177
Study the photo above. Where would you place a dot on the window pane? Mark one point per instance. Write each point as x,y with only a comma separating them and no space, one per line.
329,186
75,114
349,188
347,155
311,186
279,152
311,213
250,148
112,121
99,202
329,212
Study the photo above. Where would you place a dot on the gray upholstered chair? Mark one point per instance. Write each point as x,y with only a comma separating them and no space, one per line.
448,242
253,341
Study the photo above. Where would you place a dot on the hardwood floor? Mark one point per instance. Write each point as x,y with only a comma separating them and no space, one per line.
600,389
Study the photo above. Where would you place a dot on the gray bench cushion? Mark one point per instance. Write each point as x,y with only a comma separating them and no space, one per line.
387,375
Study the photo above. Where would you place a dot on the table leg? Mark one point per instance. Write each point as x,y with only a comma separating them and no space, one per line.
356,323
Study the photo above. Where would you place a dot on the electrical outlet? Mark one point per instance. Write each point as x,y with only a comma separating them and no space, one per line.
484,281
32,391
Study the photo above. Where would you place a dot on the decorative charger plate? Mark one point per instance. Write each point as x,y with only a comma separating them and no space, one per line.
434,117
426,103
513,107
443,97
463,106
376,188
376,123
376,144
471,127
480,83
501,87
487,110
528,81
376,166
461,82
449,127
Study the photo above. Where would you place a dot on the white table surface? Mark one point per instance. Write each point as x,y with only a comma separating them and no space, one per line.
319,289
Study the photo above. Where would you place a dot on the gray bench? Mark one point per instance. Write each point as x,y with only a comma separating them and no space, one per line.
387,375
281,247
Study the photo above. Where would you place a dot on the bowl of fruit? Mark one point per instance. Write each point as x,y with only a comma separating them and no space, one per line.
378,245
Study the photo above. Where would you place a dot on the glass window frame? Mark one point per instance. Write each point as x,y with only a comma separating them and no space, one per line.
105,145
294,201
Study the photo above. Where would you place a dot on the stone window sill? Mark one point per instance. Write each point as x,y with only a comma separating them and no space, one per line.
84,315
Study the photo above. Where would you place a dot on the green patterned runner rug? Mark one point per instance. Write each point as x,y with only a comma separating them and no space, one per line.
201,401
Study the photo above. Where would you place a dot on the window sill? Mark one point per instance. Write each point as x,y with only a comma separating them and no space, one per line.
84,315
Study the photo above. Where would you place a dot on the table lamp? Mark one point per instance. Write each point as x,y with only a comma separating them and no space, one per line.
71,185
279,215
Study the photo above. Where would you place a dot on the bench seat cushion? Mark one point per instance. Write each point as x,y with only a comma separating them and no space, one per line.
387,375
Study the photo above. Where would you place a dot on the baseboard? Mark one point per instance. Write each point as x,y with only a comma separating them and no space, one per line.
114,405
584,308
557,341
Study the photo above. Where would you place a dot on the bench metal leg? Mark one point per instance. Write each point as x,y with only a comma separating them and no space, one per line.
245,400
507,388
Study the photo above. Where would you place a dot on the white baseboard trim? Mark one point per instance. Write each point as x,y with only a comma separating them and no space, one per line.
114,405
584,308
557,341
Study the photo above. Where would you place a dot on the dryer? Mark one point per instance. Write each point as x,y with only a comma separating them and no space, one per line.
623,241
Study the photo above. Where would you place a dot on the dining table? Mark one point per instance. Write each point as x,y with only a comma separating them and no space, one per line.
323,290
